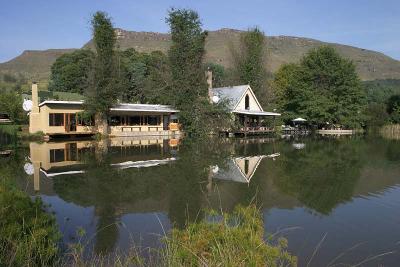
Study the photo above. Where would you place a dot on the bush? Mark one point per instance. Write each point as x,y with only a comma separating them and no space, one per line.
28,235
231,240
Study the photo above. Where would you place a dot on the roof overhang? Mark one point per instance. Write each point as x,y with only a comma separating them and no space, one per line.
256,113
127,107
48,102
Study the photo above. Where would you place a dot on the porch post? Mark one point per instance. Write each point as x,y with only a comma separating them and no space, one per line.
273,124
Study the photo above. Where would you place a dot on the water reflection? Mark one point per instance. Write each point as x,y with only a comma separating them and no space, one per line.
121,189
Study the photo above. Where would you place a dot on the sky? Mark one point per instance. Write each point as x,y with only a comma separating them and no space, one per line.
44,24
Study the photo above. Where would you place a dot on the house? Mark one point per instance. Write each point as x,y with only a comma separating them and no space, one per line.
126,119
244,106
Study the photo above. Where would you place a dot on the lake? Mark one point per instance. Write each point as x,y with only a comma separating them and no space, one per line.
336,200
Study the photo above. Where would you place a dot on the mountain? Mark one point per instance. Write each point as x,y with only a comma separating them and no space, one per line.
34,64
370,65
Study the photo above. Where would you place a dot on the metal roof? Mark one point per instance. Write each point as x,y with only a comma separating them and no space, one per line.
60,102
120,107
233,94
257,113
143,107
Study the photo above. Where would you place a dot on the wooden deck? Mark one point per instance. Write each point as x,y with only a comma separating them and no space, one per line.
253,131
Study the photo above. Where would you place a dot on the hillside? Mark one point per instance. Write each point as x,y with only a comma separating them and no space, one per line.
33,64
371,65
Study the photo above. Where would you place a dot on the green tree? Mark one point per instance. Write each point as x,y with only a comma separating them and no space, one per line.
219,75
323,87
105,82
249,63
70,72
188,87
393,108
186,56
146,76
11,103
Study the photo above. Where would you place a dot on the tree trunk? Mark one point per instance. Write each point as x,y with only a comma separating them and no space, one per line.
101,124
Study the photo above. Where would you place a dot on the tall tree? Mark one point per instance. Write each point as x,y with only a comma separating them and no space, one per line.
70,72
105,84
323,87
186,56
189,88
249,62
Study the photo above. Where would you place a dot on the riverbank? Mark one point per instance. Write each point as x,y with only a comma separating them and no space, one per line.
29,236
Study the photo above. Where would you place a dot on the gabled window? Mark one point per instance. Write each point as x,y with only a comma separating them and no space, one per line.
247,102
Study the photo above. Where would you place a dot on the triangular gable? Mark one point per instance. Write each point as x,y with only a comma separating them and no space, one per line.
242,99
252,167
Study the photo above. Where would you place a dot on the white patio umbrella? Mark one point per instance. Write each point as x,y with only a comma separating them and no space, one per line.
299,120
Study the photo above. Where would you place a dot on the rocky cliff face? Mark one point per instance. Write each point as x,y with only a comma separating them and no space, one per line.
371,65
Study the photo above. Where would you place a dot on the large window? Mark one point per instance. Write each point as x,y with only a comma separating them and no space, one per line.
56,155
56,119
134,120
154,120
115,121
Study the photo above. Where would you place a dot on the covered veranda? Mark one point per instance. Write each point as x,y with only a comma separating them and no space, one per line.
255,122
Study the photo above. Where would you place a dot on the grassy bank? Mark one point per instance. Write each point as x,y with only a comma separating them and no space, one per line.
29,237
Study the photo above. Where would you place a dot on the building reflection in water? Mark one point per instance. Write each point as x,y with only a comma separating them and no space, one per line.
52,159
240,169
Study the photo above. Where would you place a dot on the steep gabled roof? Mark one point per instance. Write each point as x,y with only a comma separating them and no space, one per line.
233,94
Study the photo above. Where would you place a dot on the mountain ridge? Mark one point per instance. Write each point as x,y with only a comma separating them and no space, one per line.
371,65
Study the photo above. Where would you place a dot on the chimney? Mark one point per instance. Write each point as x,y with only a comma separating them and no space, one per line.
209,83
35,98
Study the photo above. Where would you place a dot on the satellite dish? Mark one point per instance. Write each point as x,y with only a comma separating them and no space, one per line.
215,169
215,99
27,105
28,168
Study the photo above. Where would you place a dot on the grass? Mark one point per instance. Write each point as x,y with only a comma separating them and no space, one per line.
235,239
29,237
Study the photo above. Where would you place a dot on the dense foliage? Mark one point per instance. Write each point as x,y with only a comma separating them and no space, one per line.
145,77
189,88
11,104
323,88
249,63
393,108
70,72
28,235
105,85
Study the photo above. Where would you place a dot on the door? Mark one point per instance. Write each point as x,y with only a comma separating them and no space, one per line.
70,122
165,122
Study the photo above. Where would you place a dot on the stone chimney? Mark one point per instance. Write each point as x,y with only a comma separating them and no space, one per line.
209,83
35,98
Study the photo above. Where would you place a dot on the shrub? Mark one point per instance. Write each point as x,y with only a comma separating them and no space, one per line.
28,235
232,240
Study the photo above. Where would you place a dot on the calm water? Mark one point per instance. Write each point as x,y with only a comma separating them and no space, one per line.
339,194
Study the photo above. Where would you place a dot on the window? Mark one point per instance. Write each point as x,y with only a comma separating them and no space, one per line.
247,102
56,119
134,120
83,120
246,166
115,121
56,155
153,120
